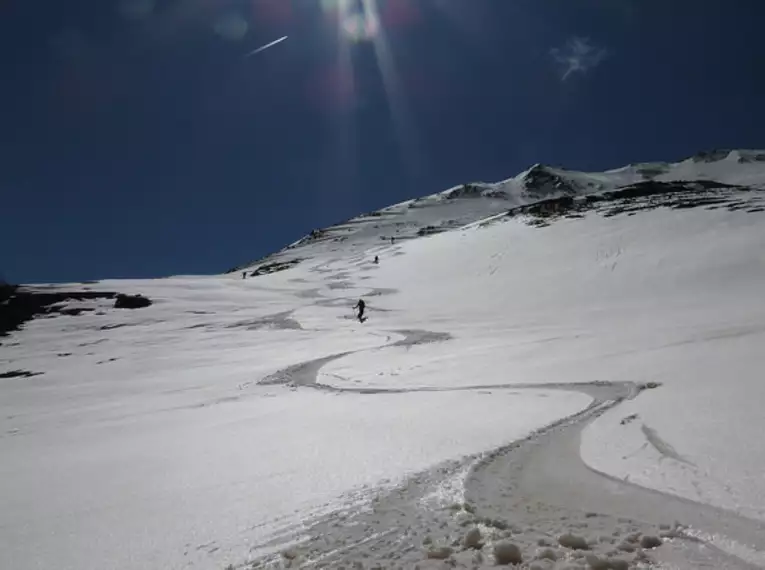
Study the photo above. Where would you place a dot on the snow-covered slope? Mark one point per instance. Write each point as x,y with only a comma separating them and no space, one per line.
233,416
468,203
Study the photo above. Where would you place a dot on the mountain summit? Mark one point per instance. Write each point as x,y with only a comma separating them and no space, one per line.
472,202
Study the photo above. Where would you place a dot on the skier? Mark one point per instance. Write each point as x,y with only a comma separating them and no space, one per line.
361,305
377,259
244,275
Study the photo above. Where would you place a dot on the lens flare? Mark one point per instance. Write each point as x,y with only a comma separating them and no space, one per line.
376,23
357,27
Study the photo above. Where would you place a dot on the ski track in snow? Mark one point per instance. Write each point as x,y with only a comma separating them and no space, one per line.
531,492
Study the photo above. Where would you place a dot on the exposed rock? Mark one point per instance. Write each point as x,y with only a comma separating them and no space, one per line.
275,267
19,374
540,181
74,312
711,155
647,195
465,191
19,304
430,230
628,419
131,301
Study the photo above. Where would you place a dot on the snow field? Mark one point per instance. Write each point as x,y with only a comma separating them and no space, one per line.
232,413
152,441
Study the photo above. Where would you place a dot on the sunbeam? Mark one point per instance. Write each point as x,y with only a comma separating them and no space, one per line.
368,22
403,123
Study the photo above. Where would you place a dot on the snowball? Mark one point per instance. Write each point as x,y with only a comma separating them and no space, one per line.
472,539
573,541
507,553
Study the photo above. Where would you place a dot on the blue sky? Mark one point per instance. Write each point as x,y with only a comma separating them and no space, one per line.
139,141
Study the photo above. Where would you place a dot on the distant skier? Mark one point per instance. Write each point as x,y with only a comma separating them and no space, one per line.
361,305
244,275
392,240
377,259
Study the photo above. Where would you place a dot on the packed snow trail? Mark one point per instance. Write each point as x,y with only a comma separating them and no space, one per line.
533,491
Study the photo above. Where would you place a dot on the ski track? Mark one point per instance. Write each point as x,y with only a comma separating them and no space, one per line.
530,491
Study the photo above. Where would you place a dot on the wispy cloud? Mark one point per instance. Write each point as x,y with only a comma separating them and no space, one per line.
579,55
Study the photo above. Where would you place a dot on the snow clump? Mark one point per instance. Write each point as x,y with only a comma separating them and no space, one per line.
507,553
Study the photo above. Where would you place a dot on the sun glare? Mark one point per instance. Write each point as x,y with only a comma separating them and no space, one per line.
369,22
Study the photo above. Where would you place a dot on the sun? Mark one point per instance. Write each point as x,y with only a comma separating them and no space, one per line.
364,24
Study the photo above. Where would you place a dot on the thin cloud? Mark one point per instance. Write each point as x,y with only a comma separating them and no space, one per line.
578,56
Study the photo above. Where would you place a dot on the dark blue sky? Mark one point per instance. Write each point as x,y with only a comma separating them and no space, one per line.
138,141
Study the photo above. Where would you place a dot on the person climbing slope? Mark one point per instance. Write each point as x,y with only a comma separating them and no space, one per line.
361,305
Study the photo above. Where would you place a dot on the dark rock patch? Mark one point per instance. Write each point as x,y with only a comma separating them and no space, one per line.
275,267
711,155
75,311
642,196
540,180
430,230
131,301
475,191
19,374
114,326
19,304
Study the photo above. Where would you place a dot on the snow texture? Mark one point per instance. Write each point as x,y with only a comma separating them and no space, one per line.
571,369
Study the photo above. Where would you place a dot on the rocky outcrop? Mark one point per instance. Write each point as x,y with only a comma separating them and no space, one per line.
131,301
19,304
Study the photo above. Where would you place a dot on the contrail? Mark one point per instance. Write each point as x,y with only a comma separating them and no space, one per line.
261,48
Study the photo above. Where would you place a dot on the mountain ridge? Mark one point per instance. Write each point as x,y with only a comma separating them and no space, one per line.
469,203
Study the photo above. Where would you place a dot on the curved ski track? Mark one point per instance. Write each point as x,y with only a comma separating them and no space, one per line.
530,491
